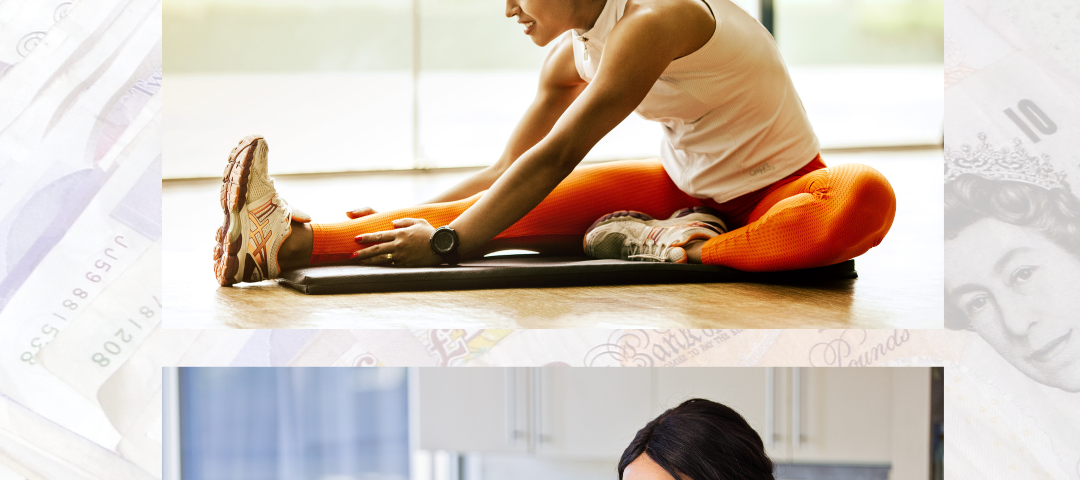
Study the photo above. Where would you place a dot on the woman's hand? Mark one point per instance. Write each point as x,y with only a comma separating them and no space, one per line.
409,245
360,212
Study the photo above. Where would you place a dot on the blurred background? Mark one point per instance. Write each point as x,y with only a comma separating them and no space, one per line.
362,85
534,423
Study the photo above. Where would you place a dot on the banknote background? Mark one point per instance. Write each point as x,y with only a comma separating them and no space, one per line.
1007,62
80,219
81,350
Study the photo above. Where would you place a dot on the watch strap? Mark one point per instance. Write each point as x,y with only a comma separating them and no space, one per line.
450,257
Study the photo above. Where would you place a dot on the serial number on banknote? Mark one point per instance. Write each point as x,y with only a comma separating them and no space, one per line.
119,340
98,270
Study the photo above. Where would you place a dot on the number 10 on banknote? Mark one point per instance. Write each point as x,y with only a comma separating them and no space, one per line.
1013,100
1035,117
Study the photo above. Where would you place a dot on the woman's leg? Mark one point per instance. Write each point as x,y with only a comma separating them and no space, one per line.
824,217
556,225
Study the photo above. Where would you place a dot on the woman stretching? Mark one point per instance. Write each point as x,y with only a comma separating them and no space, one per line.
737,145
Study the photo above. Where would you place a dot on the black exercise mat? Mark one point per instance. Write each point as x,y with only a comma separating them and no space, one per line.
516,271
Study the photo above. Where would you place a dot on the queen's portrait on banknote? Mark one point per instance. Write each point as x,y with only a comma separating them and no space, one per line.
1012,238
1012,244
1012,267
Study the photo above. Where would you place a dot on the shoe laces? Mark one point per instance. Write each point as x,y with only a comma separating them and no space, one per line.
648,250
286,209
280,202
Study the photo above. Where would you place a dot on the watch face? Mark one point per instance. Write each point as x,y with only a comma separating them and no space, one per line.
443,241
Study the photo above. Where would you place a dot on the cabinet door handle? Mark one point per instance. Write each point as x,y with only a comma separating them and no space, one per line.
770,407
538,390
511,405
796,407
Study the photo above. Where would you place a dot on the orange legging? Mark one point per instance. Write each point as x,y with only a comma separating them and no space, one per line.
816,216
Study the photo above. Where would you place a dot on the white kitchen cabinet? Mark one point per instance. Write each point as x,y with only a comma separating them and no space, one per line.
860,416
911,424
746,390
473,409
842,415
591,412
863,416
553,412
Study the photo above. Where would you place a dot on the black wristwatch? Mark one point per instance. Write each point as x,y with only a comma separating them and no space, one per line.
444,242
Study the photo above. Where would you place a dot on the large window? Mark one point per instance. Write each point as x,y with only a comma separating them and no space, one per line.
293,424
860,32
353,85
328,82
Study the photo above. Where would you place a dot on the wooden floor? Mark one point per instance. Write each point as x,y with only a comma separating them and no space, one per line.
899,286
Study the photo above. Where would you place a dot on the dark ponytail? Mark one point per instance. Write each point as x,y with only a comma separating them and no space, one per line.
701,440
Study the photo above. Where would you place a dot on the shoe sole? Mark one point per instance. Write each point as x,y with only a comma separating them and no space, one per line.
678,217
234,182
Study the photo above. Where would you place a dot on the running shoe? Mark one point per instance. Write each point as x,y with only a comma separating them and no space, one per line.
630,235
256,218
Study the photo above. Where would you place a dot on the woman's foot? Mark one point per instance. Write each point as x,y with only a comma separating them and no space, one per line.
630,235
256,218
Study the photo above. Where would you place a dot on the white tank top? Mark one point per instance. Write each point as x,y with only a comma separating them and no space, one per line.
732,121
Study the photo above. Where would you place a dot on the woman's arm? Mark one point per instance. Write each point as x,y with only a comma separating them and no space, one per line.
560,85
638,49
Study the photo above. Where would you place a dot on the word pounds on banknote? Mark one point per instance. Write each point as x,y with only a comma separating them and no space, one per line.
112,347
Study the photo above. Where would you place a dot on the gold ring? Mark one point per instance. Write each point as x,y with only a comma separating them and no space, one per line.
390,256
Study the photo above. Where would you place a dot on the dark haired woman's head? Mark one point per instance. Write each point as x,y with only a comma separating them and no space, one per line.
545,20
697,440
1012,273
